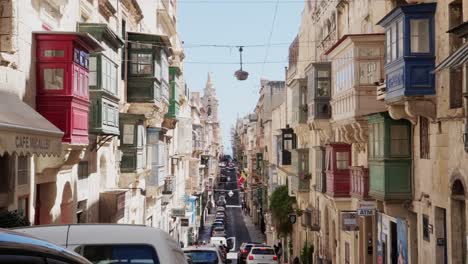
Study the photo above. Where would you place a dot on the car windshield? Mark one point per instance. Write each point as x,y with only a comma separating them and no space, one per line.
219,228
203,256
263,251
107,254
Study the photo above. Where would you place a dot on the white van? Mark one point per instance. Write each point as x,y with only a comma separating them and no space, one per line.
112,242
228,242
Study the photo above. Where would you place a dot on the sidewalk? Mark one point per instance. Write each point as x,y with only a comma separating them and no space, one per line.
205,231
254,231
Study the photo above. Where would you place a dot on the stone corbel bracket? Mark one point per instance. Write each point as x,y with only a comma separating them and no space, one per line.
72,156
421,107
412,109
302,132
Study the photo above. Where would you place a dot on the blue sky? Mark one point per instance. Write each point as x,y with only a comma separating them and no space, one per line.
235,22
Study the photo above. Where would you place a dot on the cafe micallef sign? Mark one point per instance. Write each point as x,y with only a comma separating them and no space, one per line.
29,143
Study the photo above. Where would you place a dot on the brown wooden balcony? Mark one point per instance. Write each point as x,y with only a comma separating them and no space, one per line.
359,182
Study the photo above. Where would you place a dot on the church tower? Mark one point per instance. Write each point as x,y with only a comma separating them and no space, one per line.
210,101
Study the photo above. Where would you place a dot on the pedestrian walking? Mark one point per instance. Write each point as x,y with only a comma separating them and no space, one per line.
279,253
296,260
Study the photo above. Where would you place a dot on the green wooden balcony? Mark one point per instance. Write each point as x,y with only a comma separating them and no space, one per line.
148,68
103,115
174,87
390,158
132,142
300,164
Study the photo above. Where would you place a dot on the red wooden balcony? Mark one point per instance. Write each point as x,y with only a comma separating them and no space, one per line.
359,182
338,161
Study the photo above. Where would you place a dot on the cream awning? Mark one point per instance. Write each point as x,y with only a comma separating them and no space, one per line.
25,131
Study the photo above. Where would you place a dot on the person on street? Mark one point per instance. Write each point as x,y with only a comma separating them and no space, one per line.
296,260
279,253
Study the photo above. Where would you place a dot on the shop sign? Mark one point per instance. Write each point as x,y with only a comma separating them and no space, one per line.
178,212
349,221
365,212
11,141
184,222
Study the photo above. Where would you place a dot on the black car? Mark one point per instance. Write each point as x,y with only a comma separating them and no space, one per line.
18,248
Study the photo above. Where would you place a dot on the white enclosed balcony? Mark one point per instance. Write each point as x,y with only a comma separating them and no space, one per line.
357,66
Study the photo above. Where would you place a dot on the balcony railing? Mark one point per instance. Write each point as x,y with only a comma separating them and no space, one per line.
359,182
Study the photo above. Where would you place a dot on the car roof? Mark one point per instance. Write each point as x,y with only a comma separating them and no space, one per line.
79,234
15,242
200,248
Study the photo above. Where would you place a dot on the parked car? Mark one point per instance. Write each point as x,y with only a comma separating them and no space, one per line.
112,242
244,250
221,203
220,208
262,255
204,255
215,225
219,231
21,248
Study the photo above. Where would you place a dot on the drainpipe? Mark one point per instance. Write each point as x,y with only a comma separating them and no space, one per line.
465,95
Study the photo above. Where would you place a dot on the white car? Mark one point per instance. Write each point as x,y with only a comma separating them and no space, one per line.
109,243
204,255
262,255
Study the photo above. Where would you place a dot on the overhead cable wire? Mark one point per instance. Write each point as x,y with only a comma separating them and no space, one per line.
269,37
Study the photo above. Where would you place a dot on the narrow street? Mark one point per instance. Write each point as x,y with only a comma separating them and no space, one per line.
238,224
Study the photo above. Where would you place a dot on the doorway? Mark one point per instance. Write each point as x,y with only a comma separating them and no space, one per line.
441,235
458,222
394,242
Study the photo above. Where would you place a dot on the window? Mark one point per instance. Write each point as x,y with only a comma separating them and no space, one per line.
141,63
394,42
342,160
23,206
83,170
323,83
400,38
419,35
109,75
157,67
424,138
124,36
203,256
119,253
128,134
399,141
425,220
456,88
388,45
53,79
92,71
376,140
347,253
23,170
164,67
53,53
369,72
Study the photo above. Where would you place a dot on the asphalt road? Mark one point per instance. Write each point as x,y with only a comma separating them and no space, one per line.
235,221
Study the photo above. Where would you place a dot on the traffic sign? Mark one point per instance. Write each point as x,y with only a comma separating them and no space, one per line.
230,193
